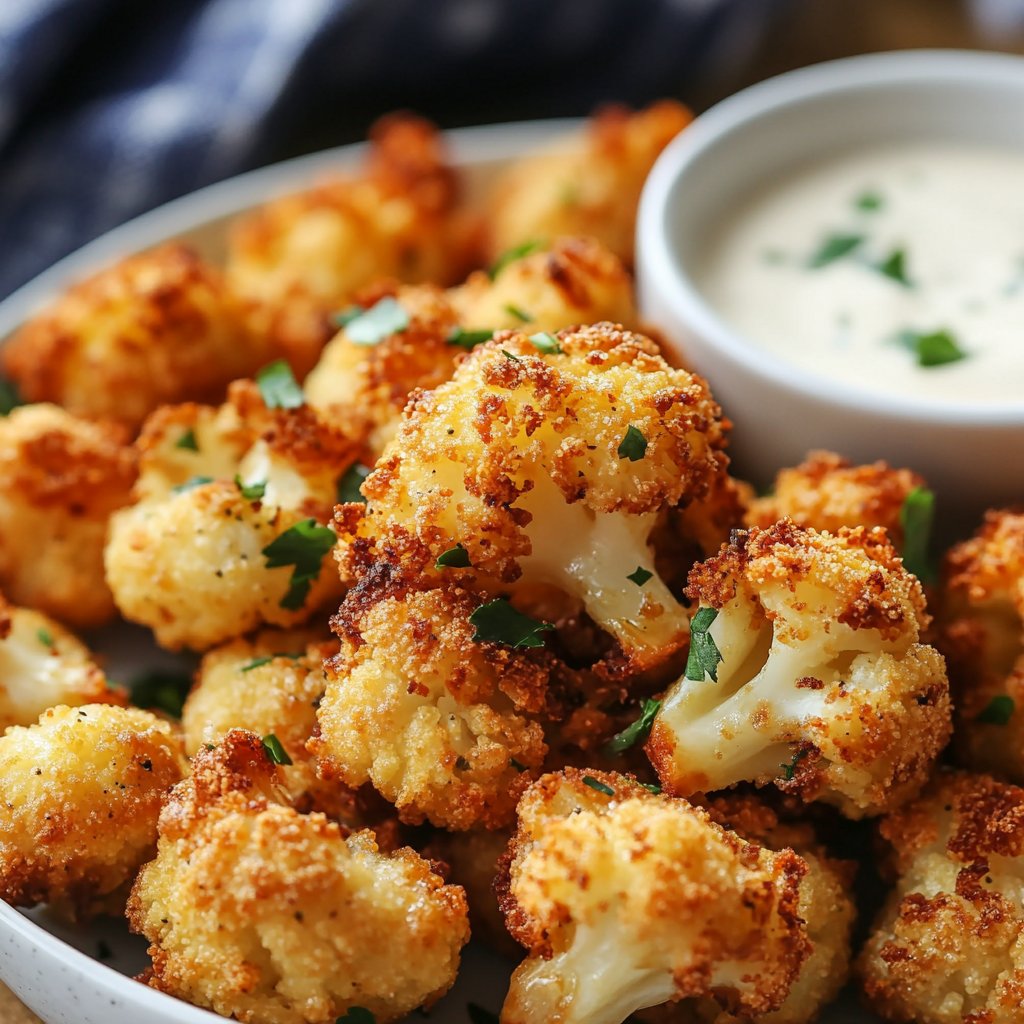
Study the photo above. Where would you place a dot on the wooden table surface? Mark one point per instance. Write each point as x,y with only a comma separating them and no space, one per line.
815,30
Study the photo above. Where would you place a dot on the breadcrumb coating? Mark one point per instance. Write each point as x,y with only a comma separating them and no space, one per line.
625,899
60,479
302,257
981,633
267,915
81,796
588,185
551,470
156,328
948,947
822,686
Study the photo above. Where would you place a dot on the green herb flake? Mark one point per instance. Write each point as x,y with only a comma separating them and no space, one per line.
454,558
633,446
350,481
9,397
917,514
517,252
869,201
357,1015
704,655
589,780
163,690
468,339
267,659
303,547
546,343
833,248
478,1015
520,314
508,355
499,623
651,787
251,492
45,637
278,387
894,266
380,321
935,348
635,733
191,482
273,748
789,769
345,316
188,441
999,711
640,576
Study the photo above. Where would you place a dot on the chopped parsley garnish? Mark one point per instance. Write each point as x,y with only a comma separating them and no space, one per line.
517,252
704,655
833,248
635,733
9,397
998,712
454,558
345,316
546,343
651,787
508,355
350,481
468,339
267,659
187,441
520,314
478,1015
869,201
789,769
589,780
640,576
162,689
251,492
936,348
916,516
303,547
357,1015
274,750
45,637
894,266
380,321
192,481
633,446
278,387
499,623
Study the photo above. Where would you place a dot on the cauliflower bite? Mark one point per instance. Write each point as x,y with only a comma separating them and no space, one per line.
445,727
626,899
982,636
42,664
60,480
550,469
155,328
224,538
270,683
818,683
81,796
588,185
304,256
948,947
267,915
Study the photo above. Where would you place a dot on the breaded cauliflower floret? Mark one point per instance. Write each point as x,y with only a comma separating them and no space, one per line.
60,479
264,914
155,328
948,947
41,665
190,560
822,686
551,471
982,636
625,900
827,492
444,727
82,791
586,185
304,256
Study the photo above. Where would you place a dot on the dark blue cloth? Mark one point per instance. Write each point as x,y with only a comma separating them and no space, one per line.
111,107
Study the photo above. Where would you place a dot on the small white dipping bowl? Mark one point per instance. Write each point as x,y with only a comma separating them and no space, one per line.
972,453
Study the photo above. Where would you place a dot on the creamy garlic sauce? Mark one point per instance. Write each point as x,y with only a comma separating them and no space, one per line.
863,265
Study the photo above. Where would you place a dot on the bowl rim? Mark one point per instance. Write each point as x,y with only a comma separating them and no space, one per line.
660,272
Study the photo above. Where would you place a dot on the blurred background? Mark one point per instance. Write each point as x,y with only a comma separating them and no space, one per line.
111,107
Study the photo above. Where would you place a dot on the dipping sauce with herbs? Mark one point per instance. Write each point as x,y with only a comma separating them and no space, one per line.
899,268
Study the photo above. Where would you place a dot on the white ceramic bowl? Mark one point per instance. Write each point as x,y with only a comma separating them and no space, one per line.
971,453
